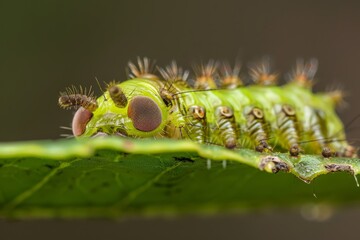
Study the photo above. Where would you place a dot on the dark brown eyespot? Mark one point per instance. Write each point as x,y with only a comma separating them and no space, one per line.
81,118
145,114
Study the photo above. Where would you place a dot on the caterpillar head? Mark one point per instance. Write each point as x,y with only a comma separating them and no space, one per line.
132,108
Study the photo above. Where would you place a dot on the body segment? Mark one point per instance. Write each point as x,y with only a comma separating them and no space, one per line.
262,116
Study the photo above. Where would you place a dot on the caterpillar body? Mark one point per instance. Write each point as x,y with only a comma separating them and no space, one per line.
262,116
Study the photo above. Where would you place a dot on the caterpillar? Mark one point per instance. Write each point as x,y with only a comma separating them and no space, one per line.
218,109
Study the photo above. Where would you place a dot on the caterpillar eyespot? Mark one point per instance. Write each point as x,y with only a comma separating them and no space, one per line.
144,113
262,116
80,120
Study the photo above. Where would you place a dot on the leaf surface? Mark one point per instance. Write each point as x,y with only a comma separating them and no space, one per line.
114,177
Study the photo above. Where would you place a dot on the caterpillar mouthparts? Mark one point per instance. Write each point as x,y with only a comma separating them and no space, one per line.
218,109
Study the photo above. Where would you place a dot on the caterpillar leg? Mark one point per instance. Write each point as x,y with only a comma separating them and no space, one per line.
288,126
226,125
263,146
340,148
196,124
331,145
257,128
348,151
326,152
295,150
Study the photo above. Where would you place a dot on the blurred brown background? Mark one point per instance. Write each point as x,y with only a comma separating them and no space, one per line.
48,45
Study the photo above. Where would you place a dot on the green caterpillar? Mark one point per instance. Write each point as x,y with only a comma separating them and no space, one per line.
263,116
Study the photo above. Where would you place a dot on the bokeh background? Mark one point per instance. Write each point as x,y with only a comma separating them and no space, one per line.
48,45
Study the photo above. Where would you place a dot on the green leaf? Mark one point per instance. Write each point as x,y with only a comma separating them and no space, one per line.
114,177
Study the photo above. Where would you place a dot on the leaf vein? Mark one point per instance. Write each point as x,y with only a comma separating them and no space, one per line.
30,191
136,192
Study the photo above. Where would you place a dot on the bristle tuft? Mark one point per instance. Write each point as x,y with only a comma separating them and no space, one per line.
261,73
304,72
145,68
206,75
337,97
230,77
173,73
